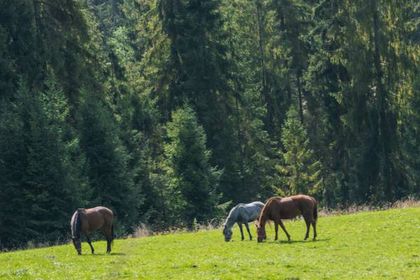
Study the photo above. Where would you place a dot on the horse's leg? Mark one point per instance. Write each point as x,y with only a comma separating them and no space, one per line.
90,244
308,225
108,245
284,229
242,232
314,226
276,230
247,228
108,236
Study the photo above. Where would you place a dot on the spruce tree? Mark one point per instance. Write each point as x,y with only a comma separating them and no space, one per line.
107,162
194,180
299,167
50,183
198,73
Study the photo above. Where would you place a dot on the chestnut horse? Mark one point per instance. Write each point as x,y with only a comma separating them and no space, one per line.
88,220
277,208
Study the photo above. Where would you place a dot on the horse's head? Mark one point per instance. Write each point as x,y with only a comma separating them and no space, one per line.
260,232
77,244
227,233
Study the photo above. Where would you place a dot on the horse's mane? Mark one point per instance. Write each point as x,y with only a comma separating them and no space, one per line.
233,210
266,208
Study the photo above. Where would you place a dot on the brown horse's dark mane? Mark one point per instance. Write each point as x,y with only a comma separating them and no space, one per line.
265,209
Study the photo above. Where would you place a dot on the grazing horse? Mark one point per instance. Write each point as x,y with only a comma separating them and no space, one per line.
278,208
88,220
242,214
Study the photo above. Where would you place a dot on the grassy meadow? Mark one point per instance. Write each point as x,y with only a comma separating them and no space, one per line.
364,245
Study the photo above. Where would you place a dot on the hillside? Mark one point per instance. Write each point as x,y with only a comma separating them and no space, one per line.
165,111
366,245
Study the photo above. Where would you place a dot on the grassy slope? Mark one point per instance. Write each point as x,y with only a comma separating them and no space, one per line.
368,245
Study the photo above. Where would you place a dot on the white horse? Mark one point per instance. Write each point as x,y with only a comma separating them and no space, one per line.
241,214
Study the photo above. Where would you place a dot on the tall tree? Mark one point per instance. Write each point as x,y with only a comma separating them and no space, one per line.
48,184
300,170
293,19
107,159
193,178
199,74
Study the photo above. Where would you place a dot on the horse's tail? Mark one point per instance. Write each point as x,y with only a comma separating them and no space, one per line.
112,234
77,224
316,211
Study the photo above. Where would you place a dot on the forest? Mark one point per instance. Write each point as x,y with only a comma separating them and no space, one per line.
171,111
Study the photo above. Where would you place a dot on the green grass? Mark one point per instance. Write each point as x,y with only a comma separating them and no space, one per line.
367,245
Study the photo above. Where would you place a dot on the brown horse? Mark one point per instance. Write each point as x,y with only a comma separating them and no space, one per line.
277,208
88,220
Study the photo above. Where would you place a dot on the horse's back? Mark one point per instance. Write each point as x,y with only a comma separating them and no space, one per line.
98,217
101,209
288,208
258,204
302,197
305,200
292,206
304,203
250,211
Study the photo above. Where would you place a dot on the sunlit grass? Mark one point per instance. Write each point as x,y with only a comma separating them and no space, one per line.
368,245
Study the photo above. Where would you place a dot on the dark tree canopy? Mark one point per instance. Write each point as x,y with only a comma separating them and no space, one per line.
284,96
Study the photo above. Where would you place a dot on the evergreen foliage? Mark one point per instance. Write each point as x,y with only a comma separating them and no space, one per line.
299,168
193,181
42,170
107,162
93,94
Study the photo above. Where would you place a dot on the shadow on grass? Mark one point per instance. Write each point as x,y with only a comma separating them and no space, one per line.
103,254
282,242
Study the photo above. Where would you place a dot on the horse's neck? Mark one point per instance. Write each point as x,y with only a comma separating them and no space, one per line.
232,218
263,220
265,214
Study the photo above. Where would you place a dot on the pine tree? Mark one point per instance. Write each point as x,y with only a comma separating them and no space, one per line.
107,162
50,183
410,135
198,73
12,174
194,180
299,167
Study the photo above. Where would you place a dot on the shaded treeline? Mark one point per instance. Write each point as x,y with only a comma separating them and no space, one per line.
167,111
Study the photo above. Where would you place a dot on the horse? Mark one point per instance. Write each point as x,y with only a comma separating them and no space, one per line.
277,208
88,220
241,214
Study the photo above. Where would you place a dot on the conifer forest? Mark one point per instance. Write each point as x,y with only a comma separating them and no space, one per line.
171,111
